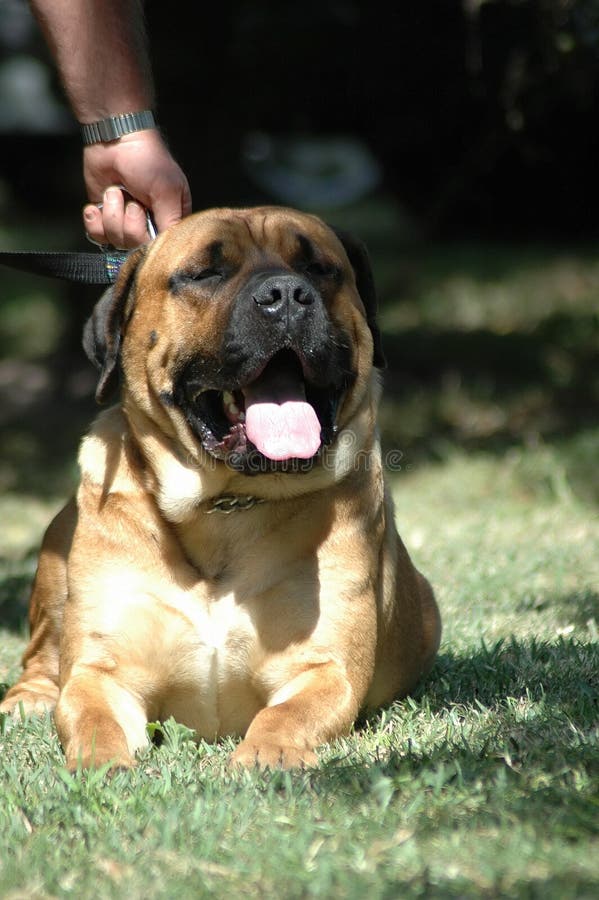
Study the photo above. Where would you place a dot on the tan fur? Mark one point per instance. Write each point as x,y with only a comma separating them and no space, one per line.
277,623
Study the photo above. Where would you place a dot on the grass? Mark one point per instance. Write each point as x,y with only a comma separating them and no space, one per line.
484,783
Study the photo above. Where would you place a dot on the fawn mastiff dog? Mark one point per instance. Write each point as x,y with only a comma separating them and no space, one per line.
230,557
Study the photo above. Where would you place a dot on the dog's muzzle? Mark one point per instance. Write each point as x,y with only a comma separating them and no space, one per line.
271,399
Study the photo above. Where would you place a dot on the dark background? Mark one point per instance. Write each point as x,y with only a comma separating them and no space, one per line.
482,115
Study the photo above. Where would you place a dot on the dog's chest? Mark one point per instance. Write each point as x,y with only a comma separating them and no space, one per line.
256,589
215,652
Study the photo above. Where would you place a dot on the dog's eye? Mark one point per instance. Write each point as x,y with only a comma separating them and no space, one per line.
317,269
206,275
210,277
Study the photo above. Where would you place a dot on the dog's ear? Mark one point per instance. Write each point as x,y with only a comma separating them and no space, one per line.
103,331
358,257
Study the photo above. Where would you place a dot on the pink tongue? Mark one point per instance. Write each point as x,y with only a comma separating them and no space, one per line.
278,420
285,430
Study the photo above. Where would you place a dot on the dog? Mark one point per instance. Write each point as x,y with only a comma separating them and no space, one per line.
230,557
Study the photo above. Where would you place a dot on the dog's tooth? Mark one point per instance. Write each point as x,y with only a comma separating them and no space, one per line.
230,405
228,400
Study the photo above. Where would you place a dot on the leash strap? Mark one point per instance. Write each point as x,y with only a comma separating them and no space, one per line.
83,268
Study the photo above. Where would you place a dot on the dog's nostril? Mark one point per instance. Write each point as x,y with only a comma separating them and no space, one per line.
268,297
283,291
302,296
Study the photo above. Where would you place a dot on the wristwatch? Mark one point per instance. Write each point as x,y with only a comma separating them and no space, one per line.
114,127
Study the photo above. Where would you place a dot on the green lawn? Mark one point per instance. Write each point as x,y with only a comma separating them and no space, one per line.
485,783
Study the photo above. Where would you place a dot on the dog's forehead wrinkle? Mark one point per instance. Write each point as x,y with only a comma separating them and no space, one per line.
270,224
233,223
230,249
271,231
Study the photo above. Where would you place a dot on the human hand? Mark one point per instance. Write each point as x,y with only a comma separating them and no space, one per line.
141,164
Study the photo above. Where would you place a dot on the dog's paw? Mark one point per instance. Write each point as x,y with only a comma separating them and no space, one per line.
97,760
26,703
272,755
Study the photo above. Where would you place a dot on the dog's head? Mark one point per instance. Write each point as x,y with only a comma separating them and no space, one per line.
250,334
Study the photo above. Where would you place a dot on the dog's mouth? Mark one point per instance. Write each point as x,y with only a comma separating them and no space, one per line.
278,421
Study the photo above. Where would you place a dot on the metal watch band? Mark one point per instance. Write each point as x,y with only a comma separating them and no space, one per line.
114,127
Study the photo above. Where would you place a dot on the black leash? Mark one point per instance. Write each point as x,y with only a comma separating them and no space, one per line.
83,268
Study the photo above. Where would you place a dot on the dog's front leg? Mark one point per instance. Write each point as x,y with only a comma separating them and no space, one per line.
99,721
315,706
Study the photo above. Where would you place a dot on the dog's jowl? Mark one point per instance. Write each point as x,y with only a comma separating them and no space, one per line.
230,557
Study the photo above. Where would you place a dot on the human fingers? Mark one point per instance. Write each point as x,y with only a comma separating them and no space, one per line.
104,222
117,221
113,216
135,225
172,200
93,224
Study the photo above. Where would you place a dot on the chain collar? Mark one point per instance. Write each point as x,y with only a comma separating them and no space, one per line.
229,503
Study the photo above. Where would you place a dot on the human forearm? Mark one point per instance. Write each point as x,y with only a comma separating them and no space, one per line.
100,50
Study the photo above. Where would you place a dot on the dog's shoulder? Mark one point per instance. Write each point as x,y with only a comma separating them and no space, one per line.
105,454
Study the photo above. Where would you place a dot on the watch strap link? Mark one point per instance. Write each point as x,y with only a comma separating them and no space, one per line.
114,127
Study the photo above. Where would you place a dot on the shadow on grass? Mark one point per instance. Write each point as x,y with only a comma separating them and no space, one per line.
40,440
557,887
14,601
482,390
500,738
519,704
578,608
563,675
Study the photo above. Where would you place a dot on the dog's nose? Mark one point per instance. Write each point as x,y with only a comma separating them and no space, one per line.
280,291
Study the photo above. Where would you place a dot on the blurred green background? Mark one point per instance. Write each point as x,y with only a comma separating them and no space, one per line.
458,139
